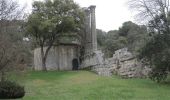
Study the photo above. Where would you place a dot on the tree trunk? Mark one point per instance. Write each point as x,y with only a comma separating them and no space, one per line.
44,64
2,76
44,56
43,59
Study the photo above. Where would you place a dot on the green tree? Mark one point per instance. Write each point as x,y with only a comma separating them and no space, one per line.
113,42
100,38
136,36
129,35
156,51
51,18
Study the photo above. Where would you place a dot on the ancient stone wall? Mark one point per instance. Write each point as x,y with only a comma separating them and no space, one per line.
59,57
124,64
93,59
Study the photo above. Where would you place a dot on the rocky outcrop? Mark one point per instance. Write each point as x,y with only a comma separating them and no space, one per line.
124,64
96,62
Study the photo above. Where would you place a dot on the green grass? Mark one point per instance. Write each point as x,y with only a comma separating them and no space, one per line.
84,85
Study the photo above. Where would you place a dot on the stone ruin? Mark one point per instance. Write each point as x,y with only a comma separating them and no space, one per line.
92,57
67,54
124,64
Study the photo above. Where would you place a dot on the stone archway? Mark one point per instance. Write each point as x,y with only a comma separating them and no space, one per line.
75,64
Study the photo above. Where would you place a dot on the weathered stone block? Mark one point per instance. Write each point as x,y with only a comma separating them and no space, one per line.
59,57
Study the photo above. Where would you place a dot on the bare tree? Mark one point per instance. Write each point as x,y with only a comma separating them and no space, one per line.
156,50
9,13
155,12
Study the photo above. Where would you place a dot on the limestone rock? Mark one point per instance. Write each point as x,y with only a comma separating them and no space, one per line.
124,64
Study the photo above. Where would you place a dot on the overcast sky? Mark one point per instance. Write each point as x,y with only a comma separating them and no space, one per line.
110,14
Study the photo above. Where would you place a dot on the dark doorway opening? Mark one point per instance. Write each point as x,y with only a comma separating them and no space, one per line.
75,64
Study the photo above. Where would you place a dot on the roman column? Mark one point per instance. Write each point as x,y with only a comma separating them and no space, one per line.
88,36
93,28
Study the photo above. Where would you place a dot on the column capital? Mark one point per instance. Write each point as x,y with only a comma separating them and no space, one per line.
87,11
92,7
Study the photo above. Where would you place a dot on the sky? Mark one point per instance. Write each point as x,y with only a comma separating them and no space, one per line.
110,14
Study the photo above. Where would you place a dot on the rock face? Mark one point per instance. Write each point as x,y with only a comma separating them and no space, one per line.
124,64
96,62
129,68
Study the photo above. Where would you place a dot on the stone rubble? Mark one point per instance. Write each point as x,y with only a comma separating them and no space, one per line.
124,64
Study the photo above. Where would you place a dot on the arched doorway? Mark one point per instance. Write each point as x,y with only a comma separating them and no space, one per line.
75,64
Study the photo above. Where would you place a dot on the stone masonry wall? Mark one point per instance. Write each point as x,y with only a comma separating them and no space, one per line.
59,58
124,64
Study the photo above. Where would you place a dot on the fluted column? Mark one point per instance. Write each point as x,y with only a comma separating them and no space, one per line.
88,37
93,28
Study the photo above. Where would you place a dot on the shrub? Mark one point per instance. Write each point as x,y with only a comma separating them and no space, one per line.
158,75
157,52
11,90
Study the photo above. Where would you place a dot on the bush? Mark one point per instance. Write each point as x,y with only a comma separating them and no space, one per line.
158,75
11,90
157,52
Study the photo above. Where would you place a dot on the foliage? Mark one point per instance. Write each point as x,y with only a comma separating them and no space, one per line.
11,90
129,35
11,37
136,35
51,18
154,12
158,74
113,42
156,51
100,37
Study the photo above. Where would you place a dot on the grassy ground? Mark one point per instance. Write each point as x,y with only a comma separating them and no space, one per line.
83,85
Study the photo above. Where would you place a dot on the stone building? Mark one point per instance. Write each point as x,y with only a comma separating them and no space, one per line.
60,56
66,55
